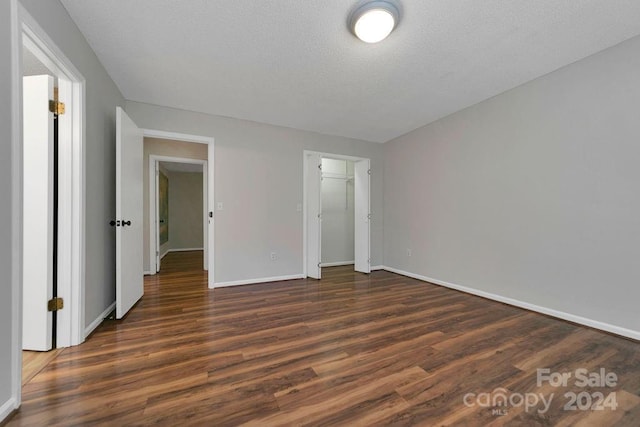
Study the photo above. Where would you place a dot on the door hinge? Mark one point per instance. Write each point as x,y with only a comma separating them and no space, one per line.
55,304
319,266
320,166
369,171
56,107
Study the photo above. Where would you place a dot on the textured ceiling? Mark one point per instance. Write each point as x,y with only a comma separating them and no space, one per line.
294,63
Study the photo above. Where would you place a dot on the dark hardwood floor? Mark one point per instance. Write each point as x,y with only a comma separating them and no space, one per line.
351,349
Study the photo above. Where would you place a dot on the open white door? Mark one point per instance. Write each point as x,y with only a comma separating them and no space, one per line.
37,273
314,218
362,216
129,270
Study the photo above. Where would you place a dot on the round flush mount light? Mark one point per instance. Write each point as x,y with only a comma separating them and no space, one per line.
373,21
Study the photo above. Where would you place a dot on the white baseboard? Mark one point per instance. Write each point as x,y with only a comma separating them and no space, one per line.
148,273
377,267
618,330
98,321
337,264
261,280
165,253
7,408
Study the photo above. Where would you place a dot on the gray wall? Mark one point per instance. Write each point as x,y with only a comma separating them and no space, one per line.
258,178
6,217
531,195
169,148
338,215
186,213
102,97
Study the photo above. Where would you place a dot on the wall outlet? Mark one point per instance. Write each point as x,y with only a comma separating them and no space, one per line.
274,256
408,252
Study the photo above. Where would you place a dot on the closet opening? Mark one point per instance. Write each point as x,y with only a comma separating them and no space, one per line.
336,211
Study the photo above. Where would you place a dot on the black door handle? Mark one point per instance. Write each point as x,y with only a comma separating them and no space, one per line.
114,223
126,223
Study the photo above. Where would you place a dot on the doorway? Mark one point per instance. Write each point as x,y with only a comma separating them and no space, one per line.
130,201
61,222
344,183
53,203
178,216
208,197
337,213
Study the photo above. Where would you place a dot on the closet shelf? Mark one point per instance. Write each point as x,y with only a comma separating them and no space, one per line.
337,176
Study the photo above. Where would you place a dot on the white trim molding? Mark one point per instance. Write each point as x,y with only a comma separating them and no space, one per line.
168,251
160,134
210,196
7,408
154,208
618,330
72,177
98,320
260,280
305,161
377,267
336,264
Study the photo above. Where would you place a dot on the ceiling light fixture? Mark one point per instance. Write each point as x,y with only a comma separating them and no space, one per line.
373,21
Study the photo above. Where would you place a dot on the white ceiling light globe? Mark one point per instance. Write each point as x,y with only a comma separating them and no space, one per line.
374,21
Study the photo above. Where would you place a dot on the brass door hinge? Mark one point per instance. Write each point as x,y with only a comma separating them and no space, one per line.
56,107
55,304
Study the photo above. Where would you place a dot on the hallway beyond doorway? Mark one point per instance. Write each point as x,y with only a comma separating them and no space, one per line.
185,261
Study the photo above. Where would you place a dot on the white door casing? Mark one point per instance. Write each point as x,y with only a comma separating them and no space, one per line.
37,213
311,224
129,269
154,203
314,217
156,216
210,178
362,216
71,328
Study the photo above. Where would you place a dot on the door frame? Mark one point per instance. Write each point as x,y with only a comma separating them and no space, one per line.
198,139
27,33
71,180
154,226
305,166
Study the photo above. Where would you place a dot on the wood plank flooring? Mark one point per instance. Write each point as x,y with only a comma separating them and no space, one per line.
34,361
351,349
